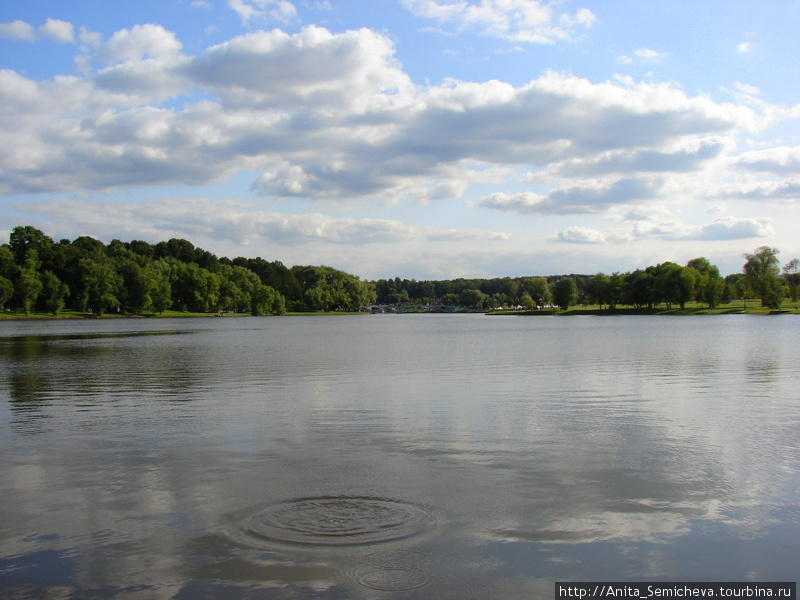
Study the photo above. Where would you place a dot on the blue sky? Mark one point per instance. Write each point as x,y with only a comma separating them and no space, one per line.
426,139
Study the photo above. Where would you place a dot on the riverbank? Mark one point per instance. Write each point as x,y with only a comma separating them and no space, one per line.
167,314
750,307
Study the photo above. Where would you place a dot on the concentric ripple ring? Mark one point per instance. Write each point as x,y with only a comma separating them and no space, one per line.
336,521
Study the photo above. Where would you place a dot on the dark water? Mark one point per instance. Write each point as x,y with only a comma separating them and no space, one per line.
395,456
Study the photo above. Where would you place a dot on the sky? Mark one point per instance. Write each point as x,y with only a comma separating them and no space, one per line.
426,139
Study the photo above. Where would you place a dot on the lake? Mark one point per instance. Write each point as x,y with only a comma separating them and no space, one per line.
395,456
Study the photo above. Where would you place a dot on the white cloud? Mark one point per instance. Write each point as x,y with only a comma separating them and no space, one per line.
690,156
138,42
54,29
239,222
281,11
782,161
733,228
589,197
526,21
272,69
744,47
723,229
581,235
787,190
322,115
61,31
18,30
644,56
650,56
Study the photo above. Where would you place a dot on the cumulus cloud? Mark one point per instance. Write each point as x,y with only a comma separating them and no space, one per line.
54,29
18,30
787,190
587,198
528,21
322,115
58,30
581,235
725,228
638,160
281,11
782,161
272,69
141,41
240,222
643,55
651,56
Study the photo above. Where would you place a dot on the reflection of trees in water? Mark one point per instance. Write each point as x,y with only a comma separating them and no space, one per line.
40,371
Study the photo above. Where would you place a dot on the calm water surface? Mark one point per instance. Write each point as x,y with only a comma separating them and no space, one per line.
395,456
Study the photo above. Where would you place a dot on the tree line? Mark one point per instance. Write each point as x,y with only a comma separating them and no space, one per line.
38,274
666,283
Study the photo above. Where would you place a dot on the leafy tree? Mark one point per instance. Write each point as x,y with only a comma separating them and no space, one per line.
616,287
101,285
54,292
473,298
157,273
675,284
28,287
318,299
6,291
710,287
640,289
266,300
25,239
336,289
190,287
791,273
527,302
539,291
8,265
565,292
761,274
136,285
598,289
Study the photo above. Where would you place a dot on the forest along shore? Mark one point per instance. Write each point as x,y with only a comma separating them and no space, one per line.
85,278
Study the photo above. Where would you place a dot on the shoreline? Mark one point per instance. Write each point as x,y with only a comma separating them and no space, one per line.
550,312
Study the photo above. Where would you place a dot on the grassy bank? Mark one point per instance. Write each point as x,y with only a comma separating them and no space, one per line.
751,307
18,315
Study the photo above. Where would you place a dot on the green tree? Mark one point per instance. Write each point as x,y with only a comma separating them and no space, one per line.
8,265
134,293
762,272
101,286
473,298
25,239
266,300
791,273
318,299
565,292
337,289
28,287
6,291
54,292
639,289
539,291
710,287
598,289
157,273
